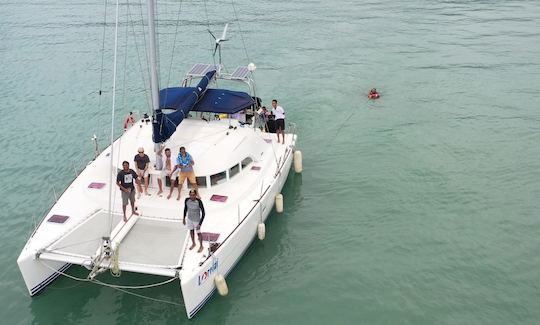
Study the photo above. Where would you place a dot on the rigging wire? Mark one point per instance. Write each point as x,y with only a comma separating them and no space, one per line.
212,43
149,99
157,22
174,42
241,33
102,59
111,179
78,243
131,22
126,36
124,91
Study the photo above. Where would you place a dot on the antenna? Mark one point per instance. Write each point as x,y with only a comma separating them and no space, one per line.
223,38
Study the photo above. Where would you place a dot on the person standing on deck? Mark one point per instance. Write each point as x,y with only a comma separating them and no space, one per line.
158,148
185,163
142,162
168,167
279,113
194,209
124,180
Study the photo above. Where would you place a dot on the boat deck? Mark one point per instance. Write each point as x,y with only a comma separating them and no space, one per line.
157,241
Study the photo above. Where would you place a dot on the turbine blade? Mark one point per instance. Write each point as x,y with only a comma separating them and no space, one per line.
224,35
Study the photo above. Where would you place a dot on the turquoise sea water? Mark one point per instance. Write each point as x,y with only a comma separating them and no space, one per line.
420,208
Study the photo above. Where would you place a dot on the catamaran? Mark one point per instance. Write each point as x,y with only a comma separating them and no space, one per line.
240,171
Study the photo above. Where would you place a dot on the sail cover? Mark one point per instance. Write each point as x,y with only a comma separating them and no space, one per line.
163,124
198,99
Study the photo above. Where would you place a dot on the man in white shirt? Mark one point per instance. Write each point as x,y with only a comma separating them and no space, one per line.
279,113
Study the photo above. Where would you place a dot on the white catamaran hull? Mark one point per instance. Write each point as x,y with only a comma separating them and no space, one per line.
199,287
40,267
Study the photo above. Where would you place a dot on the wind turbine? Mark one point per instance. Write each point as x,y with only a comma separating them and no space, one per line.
223,38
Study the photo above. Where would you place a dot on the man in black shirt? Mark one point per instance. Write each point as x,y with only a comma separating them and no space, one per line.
124,180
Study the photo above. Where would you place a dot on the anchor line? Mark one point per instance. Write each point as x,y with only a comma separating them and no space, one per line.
121,288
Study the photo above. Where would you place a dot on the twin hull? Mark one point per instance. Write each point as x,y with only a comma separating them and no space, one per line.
197,287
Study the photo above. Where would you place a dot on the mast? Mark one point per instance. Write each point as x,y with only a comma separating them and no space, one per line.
154,87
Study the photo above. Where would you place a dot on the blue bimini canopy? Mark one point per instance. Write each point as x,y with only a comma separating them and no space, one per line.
183,100
214,100
164,125
223,101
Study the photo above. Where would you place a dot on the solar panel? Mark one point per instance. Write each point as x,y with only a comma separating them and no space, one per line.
200,69
240,73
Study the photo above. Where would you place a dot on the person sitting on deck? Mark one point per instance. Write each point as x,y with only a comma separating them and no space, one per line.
130,120
184,162
194,209
141,163
124,180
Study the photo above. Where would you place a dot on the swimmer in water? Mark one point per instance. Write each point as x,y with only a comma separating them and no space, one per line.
373,94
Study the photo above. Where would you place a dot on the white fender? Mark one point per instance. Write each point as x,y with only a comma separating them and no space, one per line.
297,158
279,203
221,285
261,231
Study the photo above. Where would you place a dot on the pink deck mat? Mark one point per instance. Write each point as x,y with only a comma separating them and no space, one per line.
218,198
96,185
56,218
209,236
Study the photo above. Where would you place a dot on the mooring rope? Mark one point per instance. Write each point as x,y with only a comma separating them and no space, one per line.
119,287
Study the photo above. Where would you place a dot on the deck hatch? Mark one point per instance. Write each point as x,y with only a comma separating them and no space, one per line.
96,185
57,218
218,198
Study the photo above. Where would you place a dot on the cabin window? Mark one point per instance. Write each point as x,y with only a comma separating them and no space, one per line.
246,162
234,170
218,178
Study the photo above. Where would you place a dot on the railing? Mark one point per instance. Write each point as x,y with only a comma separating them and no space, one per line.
290,128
